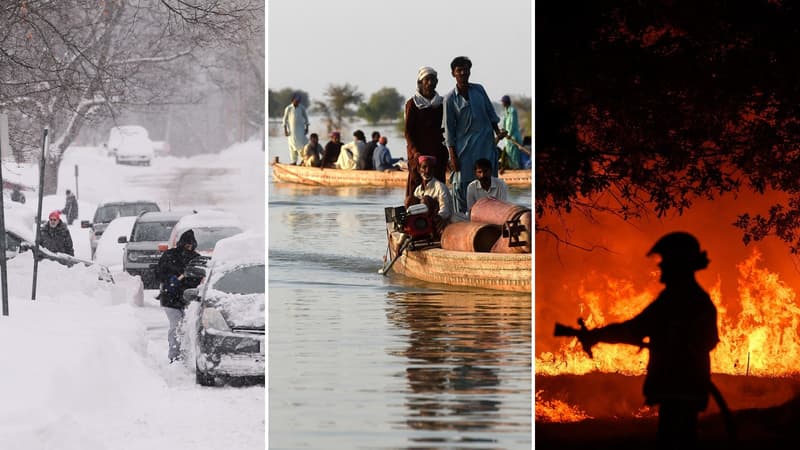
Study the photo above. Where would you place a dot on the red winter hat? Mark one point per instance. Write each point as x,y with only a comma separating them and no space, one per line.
55,215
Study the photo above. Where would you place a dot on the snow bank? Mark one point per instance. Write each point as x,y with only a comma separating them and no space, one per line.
86,370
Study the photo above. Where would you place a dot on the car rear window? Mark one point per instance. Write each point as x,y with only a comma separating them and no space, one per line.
107,213
207,237
152,231
244,280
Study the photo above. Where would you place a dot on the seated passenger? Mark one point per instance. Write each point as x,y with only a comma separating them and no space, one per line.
433,193
371,146
332,149
352,154
485,185
382,158
312,152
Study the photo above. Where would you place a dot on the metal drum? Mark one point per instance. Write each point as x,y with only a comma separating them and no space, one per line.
515,221
470,236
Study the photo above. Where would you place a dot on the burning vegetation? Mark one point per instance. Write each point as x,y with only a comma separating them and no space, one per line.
761,339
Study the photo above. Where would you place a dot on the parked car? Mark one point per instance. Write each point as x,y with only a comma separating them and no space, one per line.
130,144
146,243
209,227
109,250
108,211
227,324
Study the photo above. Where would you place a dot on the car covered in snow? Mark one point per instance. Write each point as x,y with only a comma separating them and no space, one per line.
226,318
108,211
147,242
20,232
208,227
130,144
109,250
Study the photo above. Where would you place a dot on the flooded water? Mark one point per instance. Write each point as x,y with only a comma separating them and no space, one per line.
362,361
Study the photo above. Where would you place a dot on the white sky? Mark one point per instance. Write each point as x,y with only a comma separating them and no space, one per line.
373,44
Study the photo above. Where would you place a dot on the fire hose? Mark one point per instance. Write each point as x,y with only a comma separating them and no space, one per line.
724,410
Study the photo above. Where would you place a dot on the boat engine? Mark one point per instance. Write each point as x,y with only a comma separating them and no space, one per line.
413,221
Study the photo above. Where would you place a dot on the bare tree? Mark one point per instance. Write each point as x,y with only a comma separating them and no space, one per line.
68,62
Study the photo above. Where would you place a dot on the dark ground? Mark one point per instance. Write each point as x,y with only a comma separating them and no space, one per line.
766,414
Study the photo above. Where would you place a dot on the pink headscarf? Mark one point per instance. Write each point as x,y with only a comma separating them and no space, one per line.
429,158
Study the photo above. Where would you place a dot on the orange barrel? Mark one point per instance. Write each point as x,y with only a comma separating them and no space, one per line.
470,236
498,212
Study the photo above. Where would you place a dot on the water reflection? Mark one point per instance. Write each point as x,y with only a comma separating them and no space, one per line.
469,361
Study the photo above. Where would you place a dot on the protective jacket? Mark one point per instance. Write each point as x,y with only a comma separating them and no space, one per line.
171,266
682,326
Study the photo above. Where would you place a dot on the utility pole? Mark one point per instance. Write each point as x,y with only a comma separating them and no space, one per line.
39,215
3,268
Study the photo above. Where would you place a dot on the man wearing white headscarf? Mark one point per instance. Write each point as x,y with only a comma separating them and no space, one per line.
423,128
295,127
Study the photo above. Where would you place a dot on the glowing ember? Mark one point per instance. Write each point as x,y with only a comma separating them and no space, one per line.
557,411
761,339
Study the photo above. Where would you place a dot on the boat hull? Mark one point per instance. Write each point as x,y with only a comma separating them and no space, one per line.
499,271
315,176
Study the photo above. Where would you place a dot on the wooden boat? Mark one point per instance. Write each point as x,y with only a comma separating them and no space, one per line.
315,176
499,271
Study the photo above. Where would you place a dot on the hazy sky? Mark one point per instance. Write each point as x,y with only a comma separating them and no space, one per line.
382,43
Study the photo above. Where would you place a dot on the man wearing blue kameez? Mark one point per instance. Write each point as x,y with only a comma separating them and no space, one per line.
511,125
470,124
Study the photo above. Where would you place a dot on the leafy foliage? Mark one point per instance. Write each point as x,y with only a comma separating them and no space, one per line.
384,104
644,107
278,100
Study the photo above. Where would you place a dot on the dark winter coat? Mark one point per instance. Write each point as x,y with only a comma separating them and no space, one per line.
57,239
172,263
71,208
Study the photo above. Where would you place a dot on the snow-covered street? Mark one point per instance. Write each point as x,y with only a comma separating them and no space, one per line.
84,367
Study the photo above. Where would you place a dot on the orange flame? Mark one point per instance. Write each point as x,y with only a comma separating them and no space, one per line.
760,339
557,411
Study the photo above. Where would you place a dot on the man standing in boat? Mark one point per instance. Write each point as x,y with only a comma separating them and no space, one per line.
511,125
295,127
469,123
433,193
423,128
